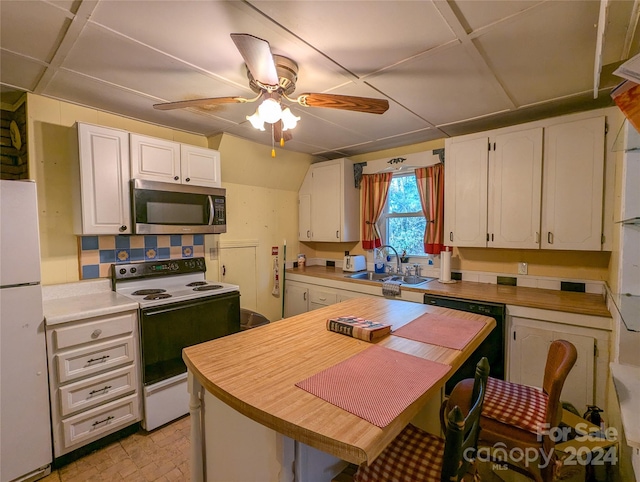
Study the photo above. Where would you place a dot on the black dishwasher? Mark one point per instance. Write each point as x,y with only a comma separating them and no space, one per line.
493,347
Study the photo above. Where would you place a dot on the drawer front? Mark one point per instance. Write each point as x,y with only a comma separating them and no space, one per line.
322,297
94,391
94,359
92,331
93,424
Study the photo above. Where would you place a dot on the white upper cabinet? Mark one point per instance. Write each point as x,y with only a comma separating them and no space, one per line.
329,202
465,191
102,199
167,161
515,176
504,190
573,185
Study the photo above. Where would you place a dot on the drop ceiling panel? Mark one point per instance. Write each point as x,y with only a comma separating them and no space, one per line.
555,38
32,28
86,91
442,87
19,71
477,15
362,39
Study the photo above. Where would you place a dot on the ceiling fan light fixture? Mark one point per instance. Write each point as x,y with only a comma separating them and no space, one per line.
289,121
270,111
256,121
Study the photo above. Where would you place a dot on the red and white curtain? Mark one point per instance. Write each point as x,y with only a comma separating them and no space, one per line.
375,189
431,187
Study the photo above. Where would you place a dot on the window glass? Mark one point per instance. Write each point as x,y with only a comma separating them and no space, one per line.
402,221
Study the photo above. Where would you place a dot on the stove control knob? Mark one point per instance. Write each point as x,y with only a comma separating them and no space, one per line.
133,270
173,266
123,271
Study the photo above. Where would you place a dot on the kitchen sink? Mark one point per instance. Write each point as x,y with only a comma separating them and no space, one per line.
372,276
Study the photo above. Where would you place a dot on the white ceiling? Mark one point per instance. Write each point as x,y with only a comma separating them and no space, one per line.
446,67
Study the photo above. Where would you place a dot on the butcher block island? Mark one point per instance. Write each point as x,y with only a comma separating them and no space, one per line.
264,402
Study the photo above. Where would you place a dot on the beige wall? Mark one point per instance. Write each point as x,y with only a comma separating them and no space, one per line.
262,191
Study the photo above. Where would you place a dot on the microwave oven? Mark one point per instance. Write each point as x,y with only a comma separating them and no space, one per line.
166,208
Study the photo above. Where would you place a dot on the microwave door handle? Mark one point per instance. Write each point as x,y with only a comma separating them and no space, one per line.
211,213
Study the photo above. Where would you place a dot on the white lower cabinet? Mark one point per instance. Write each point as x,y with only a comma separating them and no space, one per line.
528,345
93,378
302,297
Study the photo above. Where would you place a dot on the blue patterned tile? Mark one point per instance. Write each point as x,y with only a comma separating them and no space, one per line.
187,251
198,239
151,241
107,256
123,242
164,253
91,271
137,254
150,254
176,240
89,242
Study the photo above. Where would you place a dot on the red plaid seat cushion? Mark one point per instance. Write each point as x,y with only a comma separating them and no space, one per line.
414,455
513,404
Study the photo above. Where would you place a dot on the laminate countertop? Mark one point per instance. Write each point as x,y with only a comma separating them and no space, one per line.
555,300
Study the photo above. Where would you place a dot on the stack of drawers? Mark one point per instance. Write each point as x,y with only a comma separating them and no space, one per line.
93,378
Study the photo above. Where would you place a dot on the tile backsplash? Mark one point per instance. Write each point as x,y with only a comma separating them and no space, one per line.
98,253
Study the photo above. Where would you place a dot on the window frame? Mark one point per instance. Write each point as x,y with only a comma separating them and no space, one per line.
383,221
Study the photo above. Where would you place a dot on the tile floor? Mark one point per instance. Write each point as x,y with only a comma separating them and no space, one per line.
161,455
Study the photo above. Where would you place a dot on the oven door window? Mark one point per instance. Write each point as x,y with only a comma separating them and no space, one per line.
167,329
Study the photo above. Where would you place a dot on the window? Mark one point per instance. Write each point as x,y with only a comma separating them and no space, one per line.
402,222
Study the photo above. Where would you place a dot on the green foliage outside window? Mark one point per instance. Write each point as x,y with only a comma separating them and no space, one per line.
404,221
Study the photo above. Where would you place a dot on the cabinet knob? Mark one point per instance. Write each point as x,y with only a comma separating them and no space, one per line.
188,179
175,178
96,333
337,234
450,235
550,237
122,228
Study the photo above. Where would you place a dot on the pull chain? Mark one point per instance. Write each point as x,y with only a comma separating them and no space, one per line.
273,147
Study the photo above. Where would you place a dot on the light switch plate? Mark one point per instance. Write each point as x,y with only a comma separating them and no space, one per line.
522,268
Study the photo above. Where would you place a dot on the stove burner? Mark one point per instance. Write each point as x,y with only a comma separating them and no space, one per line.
152,291
197,283
157,296
207,288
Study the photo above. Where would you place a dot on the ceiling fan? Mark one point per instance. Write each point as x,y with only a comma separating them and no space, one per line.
273,79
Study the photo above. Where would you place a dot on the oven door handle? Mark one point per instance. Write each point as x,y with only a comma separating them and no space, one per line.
211,212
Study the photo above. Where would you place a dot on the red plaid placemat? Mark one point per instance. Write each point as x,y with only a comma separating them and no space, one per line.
377,384
518,405
413,455
441,330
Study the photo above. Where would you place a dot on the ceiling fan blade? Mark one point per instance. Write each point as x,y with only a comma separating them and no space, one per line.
344,102
258,57
201,102
280,135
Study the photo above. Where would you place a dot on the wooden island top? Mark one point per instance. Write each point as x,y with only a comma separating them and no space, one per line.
255,373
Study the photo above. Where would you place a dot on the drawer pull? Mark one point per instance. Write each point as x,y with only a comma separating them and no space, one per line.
101,359
96,333
103,390
98,422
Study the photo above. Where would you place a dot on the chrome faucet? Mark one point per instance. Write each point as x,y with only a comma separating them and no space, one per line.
398,266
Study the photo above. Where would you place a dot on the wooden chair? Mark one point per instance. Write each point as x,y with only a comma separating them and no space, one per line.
522,418
415,455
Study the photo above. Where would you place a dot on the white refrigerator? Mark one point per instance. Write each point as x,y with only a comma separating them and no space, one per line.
25,422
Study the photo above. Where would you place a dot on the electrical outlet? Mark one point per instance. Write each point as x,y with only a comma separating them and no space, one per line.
522,268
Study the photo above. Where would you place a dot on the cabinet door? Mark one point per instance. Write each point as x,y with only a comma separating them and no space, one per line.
573,185
155,159
325,203
104,181
304,217
515,178
200,166
296,299
465,191
528,355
